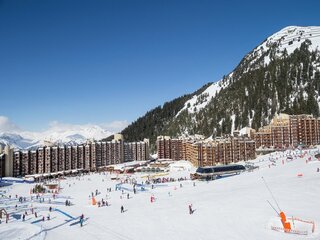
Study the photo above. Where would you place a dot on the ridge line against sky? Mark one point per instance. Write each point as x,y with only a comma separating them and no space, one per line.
81,62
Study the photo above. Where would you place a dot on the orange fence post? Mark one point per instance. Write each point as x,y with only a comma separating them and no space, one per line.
286,225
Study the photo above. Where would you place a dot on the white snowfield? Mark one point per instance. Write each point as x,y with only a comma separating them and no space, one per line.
232,207
196,103
291,37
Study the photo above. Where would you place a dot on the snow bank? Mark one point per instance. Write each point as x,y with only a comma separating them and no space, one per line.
19,230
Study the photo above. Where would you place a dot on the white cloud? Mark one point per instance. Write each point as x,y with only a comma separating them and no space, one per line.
115,126
7,126
59,126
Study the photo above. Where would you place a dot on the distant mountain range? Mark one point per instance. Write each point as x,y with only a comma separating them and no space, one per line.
282,74
71,136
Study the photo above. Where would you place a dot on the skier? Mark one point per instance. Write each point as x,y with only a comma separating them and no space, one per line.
81,220
23,217
122,209
128,196
190,209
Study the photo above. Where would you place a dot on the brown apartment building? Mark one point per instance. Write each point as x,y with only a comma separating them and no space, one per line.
61,158
33,162
168,148
41,158
96,155
289,131
47,160
164,147
208,152
89,157
80,164
2,164
103,154
17,164
74,157
54,159
25,163
129,151
136,151
68,159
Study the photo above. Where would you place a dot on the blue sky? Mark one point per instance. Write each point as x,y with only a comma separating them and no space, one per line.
80,62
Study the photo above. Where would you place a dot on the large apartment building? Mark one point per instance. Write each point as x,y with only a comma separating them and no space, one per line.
17,163
289,131
25,163
206,152
90,156
8,161
2,164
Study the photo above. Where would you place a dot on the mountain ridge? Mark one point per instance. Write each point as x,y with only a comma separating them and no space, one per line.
55,136
281,74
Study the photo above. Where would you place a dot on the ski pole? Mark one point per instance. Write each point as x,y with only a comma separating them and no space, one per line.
271,193
273,207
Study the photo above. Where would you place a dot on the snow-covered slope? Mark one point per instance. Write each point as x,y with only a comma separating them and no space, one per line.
70,135
232,208
198,102
288,39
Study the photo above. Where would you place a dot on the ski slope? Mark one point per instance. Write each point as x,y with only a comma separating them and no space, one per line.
228,208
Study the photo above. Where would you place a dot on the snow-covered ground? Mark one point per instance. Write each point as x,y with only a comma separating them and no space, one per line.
233,207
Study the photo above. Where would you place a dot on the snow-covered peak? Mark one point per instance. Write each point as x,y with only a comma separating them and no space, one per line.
289,39
70,135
